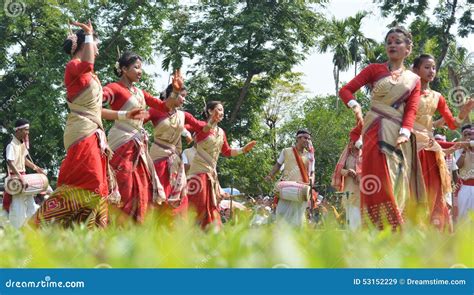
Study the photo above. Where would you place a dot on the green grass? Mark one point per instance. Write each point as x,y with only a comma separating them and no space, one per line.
156,245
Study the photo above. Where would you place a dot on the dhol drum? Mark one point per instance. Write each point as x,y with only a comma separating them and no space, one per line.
32,184
293,191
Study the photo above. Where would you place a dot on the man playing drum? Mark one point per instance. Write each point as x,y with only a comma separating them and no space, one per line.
294,186
20,206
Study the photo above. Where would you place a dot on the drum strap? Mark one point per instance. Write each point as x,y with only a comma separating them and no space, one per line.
299,161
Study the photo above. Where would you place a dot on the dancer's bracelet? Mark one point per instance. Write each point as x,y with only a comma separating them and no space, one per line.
89,39
122,115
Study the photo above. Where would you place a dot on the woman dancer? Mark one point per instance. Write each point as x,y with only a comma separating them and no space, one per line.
85,180
137,180
203,185
435,172
390,173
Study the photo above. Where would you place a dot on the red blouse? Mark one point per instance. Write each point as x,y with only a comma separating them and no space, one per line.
77,77
118,94
191,123
370,75
446,144
445,112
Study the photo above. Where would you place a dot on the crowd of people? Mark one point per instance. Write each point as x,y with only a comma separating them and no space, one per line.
392,164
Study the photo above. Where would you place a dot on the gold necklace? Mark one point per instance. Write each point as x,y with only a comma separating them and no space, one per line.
395,75
173,119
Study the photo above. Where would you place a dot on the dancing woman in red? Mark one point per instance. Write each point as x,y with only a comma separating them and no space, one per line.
435,172
137,180
166,149
85,181
203,185
390,168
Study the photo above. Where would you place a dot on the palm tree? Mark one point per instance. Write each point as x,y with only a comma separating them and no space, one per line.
460,72
336,41
359,44
377,55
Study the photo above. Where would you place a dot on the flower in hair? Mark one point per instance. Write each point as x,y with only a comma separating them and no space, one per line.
117,67
73,38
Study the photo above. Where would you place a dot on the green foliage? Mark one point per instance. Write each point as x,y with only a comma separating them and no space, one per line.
247,172
233,42
330,130
239,245
32,61
437,26
348,44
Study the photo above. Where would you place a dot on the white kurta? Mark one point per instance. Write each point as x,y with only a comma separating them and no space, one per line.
291,211
466,192
23,206
351,203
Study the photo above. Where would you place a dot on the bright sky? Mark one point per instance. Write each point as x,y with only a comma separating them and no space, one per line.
317,68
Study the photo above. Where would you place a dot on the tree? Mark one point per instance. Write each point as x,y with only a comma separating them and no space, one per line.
336,40
359,45
460,65
32,62
285,96
439,25
330,130
232,42
377,55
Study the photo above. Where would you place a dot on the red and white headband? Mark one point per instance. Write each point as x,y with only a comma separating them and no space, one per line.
21,127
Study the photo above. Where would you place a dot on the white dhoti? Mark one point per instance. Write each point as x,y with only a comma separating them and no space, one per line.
353,218
22,208
351,204
465,201
292,212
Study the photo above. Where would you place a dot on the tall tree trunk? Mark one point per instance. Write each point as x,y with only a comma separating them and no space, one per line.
445,40
240,101
274,141
355,68
335,72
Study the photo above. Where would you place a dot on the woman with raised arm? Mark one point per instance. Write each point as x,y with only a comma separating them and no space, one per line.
85,181
169,125
204,190
435,172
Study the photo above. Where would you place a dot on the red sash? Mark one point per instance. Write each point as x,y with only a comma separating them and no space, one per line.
304,175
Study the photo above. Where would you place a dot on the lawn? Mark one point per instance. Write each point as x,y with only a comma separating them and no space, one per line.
157,244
